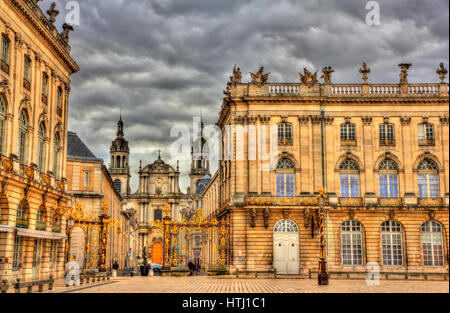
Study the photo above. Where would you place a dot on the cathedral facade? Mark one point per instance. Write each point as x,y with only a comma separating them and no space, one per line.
158,185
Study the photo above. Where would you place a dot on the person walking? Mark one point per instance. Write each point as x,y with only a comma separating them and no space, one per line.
115,269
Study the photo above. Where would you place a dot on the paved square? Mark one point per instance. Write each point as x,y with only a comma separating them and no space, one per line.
204,284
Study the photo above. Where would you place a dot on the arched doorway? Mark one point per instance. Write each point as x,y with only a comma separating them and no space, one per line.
286,247
77,245
157,252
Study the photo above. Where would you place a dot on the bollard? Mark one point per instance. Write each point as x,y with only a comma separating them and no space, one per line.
51,281
41,287
5,286
17,285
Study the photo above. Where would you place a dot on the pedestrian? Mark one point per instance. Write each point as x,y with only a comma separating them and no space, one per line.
191,267
115,269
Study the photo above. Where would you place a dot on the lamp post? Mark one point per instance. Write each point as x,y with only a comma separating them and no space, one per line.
69,225
323,272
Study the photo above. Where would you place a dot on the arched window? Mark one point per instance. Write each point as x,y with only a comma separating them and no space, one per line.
118,162
2,123
392,243
23,129
285,134
349,172
432,244
157,215
388,179
351,243
428,179
118,185
56,155
285,226
41,147
285,178
20,211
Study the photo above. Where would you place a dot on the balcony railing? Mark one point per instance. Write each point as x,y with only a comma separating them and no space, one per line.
6,164
350,201
281,200
285,141
27,171
387,142
395,202
44,99
4,66
426,142
423,89
56,228
348,142
346,90
431,202
40,225
284,89
22,222
384,90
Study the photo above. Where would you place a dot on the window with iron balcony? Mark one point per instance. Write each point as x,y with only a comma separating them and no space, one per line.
4,57
348,134
285,134
426,134
387,135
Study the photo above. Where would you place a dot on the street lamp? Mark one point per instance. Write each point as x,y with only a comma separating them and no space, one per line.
323,272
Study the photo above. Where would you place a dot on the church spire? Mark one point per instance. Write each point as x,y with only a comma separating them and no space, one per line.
120,126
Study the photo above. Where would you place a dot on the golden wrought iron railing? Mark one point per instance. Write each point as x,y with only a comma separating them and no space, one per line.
285,141
348,142
350,201
430,202
281,200
396,202
426,142
4,66
387,142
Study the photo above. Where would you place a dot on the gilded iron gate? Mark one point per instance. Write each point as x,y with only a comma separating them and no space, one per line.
176,235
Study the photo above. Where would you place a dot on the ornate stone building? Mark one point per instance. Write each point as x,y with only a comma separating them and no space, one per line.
91,185
118,167
380,151
35,66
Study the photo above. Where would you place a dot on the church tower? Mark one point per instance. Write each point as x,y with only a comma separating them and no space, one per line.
119,168
199,160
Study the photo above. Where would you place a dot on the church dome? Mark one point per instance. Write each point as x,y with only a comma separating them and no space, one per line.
202,183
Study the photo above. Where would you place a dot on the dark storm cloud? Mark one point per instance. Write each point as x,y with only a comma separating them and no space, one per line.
162,62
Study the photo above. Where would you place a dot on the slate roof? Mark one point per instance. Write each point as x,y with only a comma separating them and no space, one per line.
77,149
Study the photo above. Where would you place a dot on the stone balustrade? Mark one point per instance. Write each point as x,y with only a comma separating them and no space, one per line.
343,90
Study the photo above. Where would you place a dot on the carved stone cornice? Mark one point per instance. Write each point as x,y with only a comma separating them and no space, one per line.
405,120
239,119
252,119
329,120
304,119
367,120
264,119
316,119
444,119
19,40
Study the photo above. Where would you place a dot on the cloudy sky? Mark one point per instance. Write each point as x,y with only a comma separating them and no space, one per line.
162,62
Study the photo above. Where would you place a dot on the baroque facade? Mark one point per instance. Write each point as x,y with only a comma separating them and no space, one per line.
91,185
380,152
35,69
158,186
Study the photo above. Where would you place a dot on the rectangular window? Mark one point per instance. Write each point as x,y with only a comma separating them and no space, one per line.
348,134
428,186
285,185
285,134
86,179
388,186
426,134
5,50
17,252
387,135
2,133
22,146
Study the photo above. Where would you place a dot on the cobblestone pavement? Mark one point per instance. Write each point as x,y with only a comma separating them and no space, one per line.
206,284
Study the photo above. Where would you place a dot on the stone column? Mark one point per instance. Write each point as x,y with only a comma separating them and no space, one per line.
305,168
410,196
